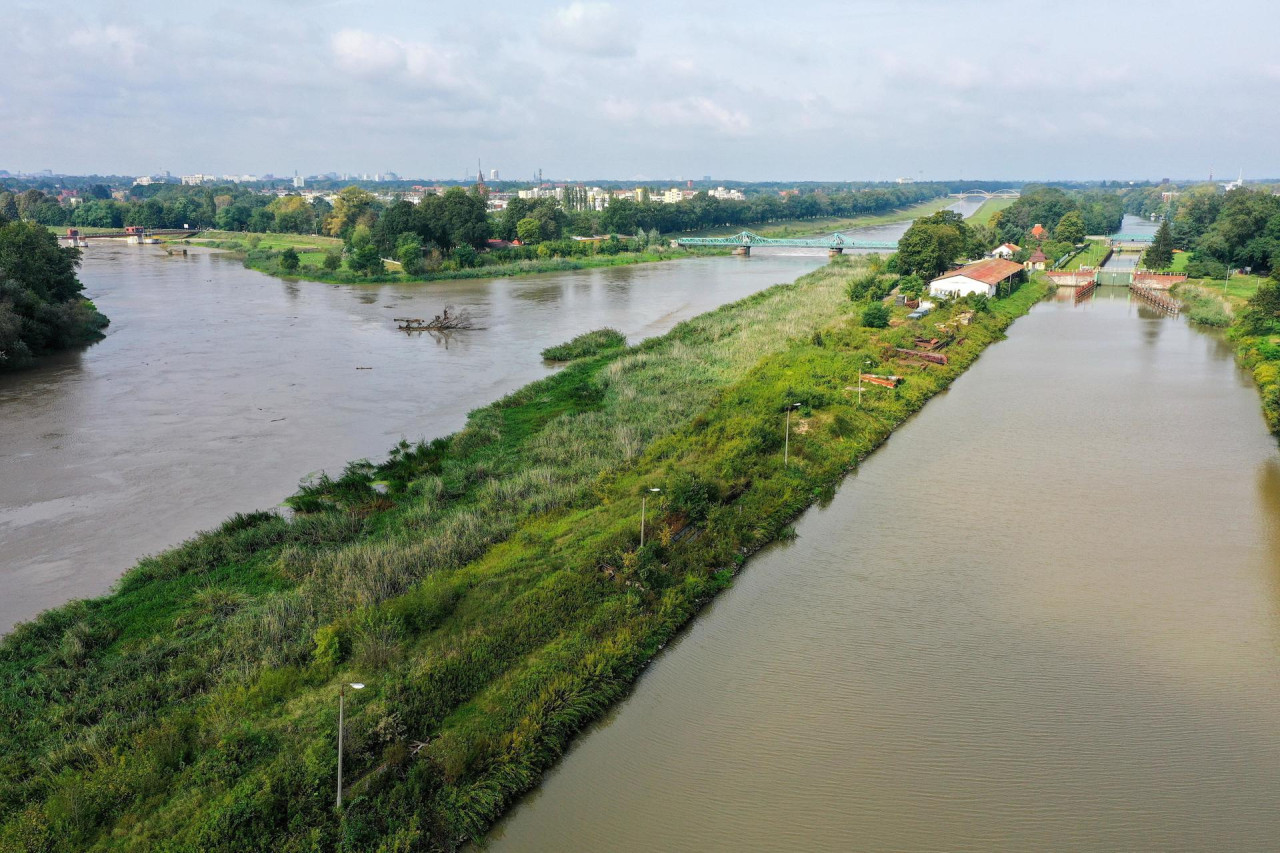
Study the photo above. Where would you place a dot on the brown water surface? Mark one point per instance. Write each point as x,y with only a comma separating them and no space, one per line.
218,388
1045,616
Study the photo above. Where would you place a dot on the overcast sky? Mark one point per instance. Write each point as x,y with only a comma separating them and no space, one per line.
860,89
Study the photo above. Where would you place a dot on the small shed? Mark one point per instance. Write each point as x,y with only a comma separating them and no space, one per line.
1005,250
1037,261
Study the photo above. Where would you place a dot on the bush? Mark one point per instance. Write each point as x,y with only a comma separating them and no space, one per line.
911,285
875,315
333,260
586,344
289,260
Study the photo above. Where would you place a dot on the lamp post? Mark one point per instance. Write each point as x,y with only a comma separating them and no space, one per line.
643,499
342,694
865,363
786,442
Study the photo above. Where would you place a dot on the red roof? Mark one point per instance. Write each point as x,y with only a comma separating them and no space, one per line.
1038,257
990,271
1039,230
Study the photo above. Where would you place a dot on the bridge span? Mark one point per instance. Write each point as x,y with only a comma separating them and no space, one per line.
986,195
743,241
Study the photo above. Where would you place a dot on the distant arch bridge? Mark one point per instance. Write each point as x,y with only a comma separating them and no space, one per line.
985,194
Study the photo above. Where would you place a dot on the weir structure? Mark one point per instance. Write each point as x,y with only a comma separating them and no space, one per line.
742,242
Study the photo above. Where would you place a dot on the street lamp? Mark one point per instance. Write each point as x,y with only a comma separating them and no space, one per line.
865,363
786,442
643,498
342,693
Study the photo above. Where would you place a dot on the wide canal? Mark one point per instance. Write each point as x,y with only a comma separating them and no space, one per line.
1045,616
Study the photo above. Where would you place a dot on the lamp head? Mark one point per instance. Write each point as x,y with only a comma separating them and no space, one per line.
356,685
655,490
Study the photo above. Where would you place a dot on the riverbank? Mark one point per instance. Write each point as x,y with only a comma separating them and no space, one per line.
262,253
489,588
1226,304
806,227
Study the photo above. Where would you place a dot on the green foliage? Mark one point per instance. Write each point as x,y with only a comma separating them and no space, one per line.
41,310
1070,228
529,231
409,253
870,286
933,244
488,588
1160,255
911,286
586,344
332,259
1261,315
465,256
289,260
875,315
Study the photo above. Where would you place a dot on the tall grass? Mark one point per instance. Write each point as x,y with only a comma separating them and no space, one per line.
493,595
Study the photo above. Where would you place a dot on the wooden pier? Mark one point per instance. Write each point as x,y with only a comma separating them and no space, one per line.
1156,298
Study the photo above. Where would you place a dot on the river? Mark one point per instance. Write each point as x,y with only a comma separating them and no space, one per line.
218,388
1044,616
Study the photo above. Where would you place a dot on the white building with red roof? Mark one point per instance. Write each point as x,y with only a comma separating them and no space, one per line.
984,277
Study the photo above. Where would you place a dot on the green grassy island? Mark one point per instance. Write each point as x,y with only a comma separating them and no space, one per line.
489,588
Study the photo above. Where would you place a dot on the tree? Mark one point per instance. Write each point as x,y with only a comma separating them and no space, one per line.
292,215
1070,228
932,244
332,260
289,260
409,253
911,285
41,309
465,256
364,256
352,207
529,230
1160,255
1262,314
875,315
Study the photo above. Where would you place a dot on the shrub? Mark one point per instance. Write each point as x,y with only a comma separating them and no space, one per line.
875,315
289,260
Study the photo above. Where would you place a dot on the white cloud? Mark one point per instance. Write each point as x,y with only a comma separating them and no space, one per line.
376,56
592,29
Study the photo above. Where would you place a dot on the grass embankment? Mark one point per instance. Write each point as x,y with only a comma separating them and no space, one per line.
990,207
805,227
586,344
1093,255
488,588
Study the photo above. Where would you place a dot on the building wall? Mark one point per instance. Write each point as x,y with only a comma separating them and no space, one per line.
960,285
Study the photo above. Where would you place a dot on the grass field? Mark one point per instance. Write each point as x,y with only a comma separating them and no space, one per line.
488,587
1091,257
990,207
805,227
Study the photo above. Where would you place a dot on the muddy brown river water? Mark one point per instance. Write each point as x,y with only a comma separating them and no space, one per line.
218,388
1044,616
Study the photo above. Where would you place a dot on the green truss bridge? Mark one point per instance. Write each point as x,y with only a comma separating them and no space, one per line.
743,242
1132,238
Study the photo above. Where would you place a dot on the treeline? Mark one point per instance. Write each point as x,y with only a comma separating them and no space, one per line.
443,221
624,216
1096,212
1235,230
41,309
